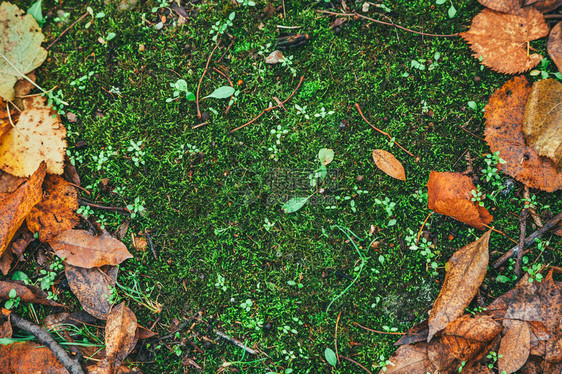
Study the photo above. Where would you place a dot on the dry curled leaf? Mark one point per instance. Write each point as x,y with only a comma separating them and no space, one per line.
16,205
26,293
554,45
84,249
467,335
467,269
274,57
20,47
501,40
505,6
29,358
514,347
504,134
92,287
450,194
542,122
120,334
56,213
38,136
389,164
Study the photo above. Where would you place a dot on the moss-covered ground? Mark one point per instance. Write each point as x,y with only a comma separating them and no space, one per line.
227,253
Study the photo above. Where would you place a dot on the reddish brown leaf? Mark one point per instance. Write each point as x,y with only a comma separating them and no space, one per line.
501,39
505,6
27,293
543,6
120,334
504,123
29,358
514,347
450,194
83,249
9,183
554,347
56,213
144,333
6,261
466,272
5,329
389,164
417,333
92,288
467,336
408,359
15,206
554,45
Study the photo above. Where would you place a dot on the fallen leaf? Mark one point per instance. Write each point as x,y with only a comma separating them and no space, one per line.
26,293
6,262
554,347
20,47
274,57
514,347
389,164
505,6
144,333
92,287
20,243
467,270
543,6
5,329
9,183
554,45
139,242
467,335
56,213
29,358
86,250
501,40
16,205
450,194
417,333
409,359
120,334
542,121
5,123
504,122
326,156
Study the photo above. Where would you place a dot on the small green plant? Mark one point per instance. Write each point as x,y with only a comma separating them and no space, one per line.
462,365
278,132
493,356
49,276
478,196
268,226
136,208
247,305
138,154
14,300
302,111
246,2
452,11
383,363
389,207
532,269
220,283
180,86
85,211
36,12
94,16
491,171
220,28
323,113
543,70
161,5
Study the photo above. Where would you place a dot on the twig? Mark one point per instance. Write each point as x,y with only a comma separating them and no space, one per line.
522,227
382,132
235,342
355,362
67,29
202,76
225,52
72,365
471,133
421,228
103,207
336,336
386,23
379,332
530,240
150,244
553,16
288,27
499,232
270,108
199,125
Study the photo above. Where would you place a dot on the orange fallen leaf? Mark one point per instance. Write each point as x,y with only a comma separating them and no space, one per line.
86,250
543,6
16,205
26,293
29,358
504,134
120,334
468,335
554,45
501,40
514,347
468,268
505,6
389,164
56,213
450,194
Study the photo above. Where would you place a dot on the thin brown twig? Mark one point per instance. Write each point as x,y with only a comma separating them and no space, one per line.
530,240
355,362
387,24
151,244
199,125
67,29
522,228
336,336
471,133
382,132
379,332
553,16
202,76
270,108
423,224
499,232
103,207
225,52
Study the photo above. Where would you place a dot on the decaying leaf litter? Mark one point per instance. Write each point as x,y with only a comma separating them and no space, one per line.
32,148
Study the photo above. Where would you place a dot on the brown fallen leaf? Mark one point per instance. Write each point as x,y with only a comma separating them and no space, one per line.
505,6
92,288
29,358
5,123
417,333
5,329
504,121
501,40
9,183
6,260
144,333
554,347
514,347
56,213
389,164
274,57
543,6
450,194
542,121
467,336
26,293
86,250
38,136
554,45
466,272
15,206
120,334
408,359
